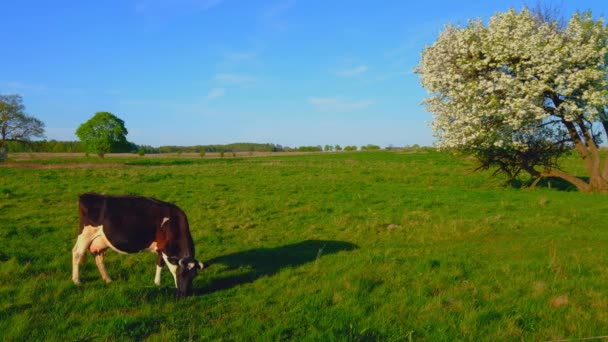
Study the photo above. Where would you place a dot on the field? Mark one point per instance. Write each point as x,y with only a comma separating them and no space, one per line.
363,246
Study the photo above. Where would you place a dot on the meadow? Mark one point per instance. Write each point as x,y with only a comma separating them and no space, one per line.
361,246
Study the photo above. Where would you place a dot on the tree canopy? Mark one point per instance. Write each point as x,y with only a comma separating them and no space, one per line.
15,124
520,91
103,133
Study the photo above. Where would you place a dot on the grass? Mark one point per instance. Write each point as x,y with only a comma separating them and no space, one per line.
346,246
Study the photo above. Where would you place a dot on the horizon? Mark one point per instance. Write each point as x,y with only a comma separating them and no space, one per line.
292,147
215,72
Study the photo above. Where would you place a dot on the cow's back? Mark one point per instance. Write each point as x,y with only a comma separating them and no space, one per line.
130,223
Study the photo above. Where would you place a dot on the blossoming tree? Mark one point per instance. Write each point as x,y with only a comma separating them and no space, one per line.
520,91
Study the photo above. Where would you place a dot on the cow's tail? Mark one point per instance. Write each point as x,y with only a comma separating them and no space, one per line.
82,213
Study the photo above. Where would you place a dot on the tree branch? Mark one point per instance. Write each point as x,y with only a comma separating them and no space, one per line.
579,183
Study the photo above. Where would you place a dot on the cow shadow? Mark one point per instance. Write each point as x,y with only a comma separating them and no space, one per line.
260,262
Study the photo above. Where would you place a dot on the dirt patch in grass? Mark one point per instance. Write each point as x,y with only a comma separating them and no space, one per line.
559,301
59,166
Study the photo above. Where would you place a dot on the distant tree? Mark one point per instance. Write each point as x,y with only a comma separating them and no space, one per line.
15,124
310,149
103,133
328,148
370,147
338,148
350,148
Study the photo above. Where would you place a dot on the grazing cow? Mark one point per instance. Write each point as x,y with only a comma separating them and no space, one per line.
130,224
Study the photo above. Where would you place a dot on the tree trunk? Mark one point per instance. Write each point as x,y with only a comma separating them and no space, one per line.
596,182
580,184
589,152
605,170
605,125
595,175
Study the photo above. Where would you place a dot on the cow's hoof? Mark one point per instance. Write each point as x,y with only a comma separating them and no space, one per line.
107,280
76,282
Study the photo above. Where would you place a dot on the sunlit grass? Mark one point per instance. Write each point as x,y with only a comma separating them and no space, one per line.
344,246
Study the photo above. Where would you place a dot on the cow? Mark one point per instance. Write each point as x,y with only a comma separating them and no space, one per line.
131,224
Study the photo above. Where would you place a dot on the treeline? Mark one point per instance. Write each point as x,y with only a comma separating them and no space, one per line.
61,146
76,146
44,146
236,147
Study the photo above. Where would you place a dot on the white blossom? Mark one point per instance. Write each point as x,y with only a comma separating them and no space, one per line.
485,81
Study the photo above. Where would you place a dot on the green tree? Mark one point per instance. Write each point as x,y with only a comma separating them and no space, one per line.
15,124
521,90
103,133
370,147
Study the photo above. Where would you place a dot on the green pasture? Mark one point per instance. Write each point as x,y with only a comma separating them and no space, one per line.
363,246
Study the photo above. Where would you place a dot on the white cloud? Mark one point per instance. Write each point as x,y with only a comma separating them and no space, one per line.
215,93
234,79
354,71
231,60
207,4
278,8
275,16
30,88
20,86
166,7
238,57
338,104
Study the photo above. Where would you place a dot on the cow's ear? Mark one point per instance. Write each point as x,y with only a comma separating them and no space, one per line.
189,265
174,261
201,265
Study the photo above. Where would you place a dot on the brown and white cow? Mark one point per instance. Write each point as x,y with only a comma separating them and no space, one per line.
131,224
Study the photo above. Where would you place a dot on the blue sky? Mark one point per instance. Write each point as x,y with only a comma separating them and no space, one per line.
188,72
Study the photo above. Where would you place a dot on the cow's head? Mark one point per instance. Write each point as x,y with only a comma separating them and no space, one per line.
187,269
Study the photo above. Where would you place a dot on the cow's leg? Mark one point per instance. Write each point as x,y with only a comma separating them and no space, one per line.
172,268
101,267
79,251
160,262
77,257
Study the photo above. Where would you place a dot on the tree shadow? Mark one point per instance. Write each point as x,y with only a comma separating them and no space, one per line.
547,183
262,262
